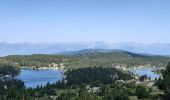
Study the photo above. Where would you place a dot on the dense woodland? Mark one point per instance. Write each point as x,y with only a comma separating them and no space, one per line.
9,70
110,59
96,76
164,82
84,89
89,76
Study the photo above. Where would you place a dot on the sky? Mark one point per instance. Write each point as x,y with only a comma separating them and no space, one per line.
34,21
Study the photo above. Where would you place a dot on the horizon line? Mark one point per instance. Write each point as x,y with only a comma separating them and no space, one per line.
60,42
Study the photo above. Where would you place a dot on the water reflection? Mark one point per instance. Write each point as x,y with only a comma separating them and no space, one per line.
149,72
33,78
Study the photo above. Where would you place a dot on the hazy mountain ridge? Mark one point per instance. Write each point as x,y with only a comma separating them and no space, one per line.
90,58
68,48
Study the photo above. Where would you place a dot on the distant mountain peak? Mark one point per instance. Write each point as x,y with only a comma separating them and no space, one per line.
56,48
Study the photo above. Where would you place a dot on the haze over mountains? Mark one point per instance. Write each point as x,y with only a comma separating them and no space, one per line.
71,47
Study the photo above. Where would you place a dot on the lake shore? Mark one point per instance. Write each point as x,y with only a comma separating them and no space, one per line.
145,71
42,68
33,78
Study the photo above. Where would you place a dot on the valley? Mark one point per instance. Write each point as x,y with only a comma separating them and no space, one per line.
61,77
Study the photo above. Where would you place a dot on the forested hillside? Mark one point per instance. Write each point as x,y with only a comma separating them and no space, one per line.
121,59
82,84
8,70
96,76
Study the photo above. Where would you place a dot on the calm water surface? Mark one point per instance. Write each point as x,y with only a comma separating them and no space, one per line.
33,78
147,72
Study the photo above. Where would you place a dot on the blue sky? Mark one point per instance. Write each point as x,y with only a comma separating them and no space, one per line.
141,21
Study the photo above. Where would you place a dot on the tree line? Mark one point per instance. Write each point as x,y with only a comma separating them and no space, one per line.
110,59
82,84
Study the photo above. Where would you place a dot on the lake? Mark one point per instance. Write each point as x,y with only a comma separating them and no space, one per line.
33,78
147,71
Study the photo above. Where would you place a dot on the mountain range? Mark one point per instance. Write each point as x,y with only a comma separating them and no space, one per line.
72,47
